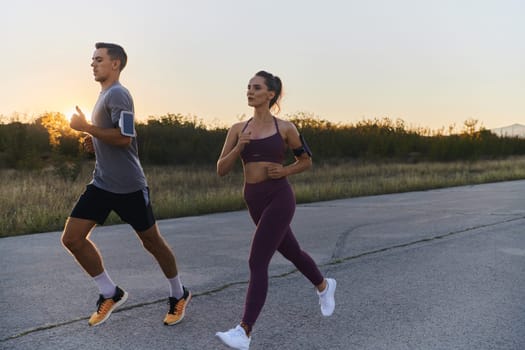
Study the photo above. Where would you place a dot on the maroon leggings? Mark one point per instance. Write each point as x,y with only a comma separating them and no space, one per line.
272,205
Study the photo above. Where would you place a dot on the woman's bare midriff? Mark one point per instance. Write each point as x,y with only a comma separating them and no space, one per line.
255,172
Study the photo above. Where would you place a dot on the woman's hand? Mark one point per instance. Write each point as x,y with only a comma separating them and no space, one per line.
243,140
276,171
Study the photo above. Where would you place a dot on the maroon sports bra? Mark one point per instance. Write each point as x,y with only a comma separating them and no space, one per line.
267,149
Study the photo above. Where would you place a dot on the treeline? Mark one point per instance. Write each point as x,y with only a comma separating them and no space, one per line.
175,139
385,139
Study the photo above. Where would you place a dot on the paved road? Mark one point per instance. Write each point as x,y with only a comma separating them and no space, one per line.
442,269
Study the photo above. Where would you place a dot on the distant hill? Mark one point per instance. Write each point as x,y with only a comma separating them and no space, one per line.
511,130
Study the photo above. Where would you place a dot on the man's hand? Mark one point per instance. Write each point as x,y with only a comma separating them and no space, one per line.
78,121
87,142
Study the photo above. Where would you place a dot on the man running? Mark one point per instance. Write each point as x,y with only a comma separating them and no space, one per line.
118,184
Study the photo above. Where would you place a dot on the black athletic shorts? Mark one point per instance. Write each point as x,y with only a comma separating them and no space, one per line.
134,208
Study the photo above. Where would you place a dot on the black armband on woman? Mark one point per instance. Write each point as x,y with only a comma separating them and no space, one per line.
303,148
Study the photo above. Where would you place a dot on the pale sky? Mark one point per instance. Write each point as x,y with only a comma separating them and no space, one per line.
430,63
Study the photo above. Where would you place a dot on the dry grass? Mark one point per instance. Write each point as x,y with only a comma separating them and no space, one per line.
40,201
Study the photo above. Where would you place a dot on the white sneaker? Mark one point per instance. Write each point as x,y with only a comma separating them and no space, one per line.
235,338
326,297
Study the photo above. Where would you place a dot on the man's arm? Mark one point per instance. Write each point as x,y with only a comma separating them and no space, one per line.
110,136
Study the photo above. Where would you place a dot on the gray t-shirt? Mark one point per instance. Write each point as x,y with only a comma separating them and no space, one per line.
117,169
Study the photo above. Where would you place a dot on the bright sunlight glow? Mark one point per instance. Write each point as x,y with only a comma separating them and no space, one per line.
69,113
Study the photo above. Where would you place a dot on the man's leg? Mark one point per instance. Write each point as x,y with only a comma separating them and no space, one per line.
75,239
154,243
179,295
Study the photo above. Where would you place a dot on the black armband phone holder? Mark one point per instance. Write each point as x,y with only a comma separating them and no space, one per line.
303,149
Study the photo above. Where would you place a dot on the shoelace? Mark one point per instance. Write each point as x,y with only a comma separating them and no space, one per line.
104,305
176,305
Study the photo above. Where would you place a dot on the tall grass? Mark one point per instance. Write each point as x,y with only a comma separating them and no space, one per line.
40,201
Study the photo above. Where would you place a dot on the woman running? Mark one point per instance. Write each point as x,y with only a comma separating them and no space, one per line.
261,143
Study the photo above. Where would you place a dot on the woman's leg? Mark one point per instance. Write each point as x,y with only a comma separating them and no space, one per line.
273,218
291,250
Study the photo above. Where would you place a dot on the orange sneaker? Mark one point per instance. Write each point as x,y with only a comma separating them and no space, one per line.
106,306
177,308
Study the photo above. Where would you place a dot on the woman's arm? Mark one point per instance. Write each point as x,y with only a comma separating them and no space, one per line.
302,162
233,145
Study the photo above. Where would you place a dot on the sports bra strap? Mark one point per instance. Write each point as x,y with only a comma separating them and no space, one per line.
276,125
249,120
246,125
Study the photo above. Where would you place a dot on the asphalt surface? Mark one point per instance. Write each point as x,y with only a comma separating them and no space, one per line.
441,269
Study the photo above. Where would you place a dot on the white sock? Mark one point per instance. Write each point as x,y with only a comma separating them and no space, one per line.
105,284
176,290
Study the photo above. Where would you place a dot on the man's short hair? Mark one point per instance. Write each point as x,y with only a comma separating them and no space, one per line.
116,52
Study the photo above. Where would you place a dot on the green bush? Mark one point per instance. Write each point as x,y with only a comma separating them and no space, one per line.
174,139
